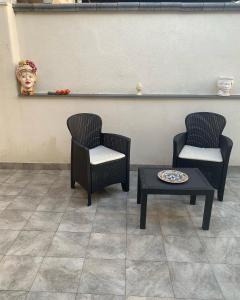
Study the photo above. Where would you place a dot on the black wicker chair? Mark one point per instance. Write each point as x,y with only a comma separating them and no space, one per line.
97,159
203,146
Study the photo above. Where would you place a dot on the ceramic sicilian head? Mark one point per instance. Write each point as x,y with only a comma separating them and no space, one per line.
224,85
26,73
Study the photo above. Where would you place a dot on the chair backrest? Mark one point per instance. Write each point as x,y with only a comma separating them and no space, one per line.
86,129
204,129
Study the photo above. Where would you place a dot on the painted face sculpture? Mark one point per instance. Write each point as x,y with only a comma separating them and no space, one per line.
224,85
26,73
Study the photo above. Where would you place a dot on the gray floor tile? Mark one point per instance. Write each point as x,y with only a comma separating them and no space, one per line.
7,198
9,190
4,204
103,277
18,272
228,277
177,226
132,207
145,247
220,209
58,275
76,222
152,225
79,192
196,211
69,244
223,250
25,172
19,180
230,195
14,219
98,297
12,295
60,189
108,246
153,207
226,210
65,173
7,237
111,223
25,203
55,204
35,190
172,209
112,205
50,296
149,279
233,172
79,205
234,223
4,175
194,280
45,221
233,183
43,179
132,194
234,206
33,243
219,227
113,191
184,249
105,250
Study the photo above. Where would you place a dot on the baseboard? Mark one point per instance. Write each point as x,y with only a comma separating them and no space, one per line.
34,166
49,166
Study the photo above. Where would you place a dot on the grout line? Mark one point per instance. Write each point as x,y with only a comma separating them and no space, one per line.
85,256
218,284
167,261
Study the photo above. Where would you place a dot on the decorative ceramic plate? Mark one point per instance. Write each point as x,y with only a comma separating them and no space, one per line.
173,176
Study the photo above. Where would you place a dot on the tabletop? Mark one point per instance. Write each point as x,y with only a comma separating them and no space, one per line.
150,181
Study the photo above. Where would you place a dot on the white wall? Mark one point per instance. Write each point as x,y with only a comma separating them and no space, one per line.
111,52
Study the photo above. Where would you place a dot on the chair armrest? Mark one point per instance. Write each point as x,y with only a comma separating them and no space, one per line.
80,163
225,144
178,142
116,142
80,149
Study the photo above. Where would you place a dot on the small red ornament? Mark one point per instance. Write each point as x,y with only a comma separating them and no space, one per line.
63,92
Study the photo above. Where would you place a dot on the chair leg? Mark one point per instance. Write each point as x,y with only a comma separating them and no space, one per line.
221,189
125,186
220,193
72,183
89,199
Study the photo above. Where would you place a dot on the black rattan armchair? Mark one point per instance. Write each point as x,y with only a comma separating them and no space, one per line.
203,146
97,159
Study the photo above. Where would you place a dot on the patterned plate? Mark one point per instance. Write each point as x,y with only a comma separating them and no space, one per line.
173,176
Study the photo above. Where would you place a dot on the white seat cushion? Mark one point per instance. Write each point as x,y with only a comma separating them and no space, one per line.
207,154
102,154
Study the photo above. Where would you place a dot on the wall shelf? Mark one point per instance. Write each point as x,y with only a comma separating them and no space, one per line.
133,96
200,6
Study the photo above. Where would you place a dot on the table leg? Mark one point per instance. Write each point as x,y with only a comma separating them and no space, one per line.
138,191
207,211
193,199
143,210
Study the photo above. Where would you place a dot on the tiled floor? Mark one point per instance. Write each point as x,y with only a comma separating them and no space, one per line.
54,247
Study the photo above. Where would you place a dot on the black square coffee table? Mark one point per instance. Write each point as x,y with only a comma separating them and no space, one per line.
149,183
